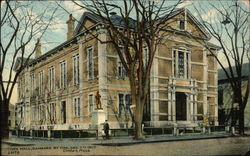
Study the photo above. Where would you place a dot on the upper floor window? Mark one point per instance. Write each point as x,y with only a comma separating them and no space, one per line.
76,76
91,103
51,79
32,79
181,63
145,57
41,82
76,107
121,70
90,63
63,75
182,24
124,101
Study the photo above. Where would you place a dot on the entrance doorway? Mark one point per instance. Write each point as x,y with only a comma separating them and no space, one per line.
181,106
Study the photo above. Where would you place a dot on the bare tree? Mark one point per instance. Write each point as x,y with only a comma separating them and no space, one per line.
230,29
136,26
20,24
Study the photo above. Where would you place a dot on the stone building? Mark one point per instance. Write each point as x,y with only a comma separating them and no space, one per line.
58,88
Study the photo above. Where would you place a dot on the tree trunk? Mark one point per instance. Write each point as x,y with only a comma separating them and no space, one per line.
138,122
4,119
241,121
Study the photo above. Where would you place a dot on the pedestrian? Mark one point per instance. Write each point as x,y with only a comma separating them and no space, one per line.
106,129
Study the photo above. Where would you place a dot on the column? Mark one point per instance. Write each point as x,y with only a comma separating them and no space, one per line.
185,64
169,105
102,70
81,51
188,107
195,107
173,105
154,91
192,106
69,113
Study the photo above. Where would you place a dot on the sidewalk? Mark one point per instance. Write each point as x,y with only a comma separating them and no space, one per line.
114,141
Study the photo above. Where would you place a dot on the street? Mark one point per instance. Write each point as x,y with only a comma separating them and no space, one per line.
220,146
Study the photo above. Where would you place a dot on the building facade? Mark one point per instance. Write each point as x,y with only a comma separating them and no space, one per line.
59,88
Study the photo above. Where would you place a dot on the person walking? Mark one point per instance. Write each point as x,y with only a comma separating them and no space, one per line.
106,129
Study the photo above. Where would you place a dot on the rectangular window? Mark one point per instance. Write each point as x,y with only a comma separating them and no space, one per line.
145,56
121,70
32,79
124,102
76,76
41,82
91,103
121,103
181,63
52,111
182,24
90,63
63,75
77,107
63,112
51,79
128,101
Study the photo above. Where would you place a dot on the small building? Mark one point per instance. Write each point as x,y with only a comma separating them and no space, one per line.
57,89
228,107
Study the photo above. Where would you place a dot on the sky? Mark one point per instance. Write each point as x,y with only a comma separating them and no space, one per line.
57,31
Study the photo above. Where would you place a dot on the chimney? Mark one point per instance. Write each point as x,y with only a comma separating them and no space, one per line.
70,24
38,49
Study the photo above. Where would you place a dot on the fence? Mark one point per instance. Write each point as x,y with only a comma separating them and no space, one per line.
91,133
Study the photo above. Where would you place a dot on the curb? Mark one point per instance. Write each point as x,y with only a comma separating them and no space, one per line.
157,141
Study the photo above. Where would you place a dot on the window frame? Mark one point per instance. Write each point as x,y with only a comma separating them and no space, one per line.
76,107
76,69
63,74
51,75
90,62
126,105
186,62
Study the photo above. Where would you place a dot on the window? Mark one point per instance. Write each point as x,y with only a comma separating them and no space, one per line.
76,69
63,75
41,82
181,63
52,111
182,24
91,103
145,56
63,112
32,79
121,70
220,96
90,63
51,79
76,107
43,112
124,102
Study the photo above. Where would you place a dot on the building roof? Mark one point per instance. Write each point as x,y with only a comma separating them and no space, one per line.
118,21
245,72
